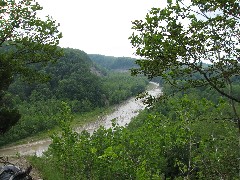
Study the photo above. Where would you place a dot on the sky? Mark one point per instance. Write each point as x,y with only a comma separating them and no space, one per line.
98,26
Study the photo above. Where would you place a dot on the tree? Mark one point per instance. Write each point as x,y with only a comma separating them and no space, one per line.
26,42
176,40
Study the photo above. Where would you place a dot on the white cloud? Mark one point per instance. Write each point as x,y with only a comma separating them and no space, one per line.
98,26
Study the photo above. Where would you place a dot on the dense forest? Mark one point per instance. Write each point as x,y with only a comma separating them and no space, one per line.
190,134
84,85
191,131
114,63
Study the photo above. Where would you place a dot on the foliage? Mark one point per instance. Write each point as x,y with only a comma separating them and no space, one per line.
183,137
183,143
176,40
120,86
73,79
74,82
73,67
114,63
8,117
36,117
25,39
43,167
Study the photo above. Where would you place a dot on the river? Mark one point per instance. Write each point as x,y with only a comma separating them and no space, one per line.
123,114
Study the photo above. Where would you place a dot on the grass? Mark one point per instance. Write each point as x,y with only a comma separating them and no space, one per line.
47,170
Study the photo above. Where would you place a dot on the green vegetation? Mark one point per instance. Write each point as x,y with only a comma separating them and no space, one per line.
176,50
114,63
193,132
73,79
185,137
26,41
119,87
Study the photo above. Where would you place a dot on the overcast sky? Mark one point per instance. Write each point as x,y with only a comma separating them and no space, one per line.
98,26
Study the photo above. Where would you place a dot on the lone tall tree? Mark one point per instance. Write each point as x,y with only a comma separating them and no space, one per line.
25,40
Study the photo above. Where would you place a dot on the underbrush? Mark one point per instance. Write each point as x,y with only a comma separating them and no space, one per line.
194,140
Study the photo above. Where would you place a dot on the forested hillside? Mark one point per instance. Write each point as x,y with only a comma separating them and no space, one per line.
187,135
26,41
192,130
114,63
74,79
69,78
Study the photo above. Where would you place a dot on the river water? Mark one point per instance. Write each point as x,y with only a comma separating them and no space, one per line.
123,114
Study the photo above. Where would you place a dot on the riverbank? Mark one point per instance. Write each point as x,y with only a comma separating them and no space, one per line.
122,113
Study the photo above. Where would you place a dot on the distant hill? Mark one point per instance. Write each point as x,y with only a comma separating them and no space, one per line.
79,77
114,63
73,77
